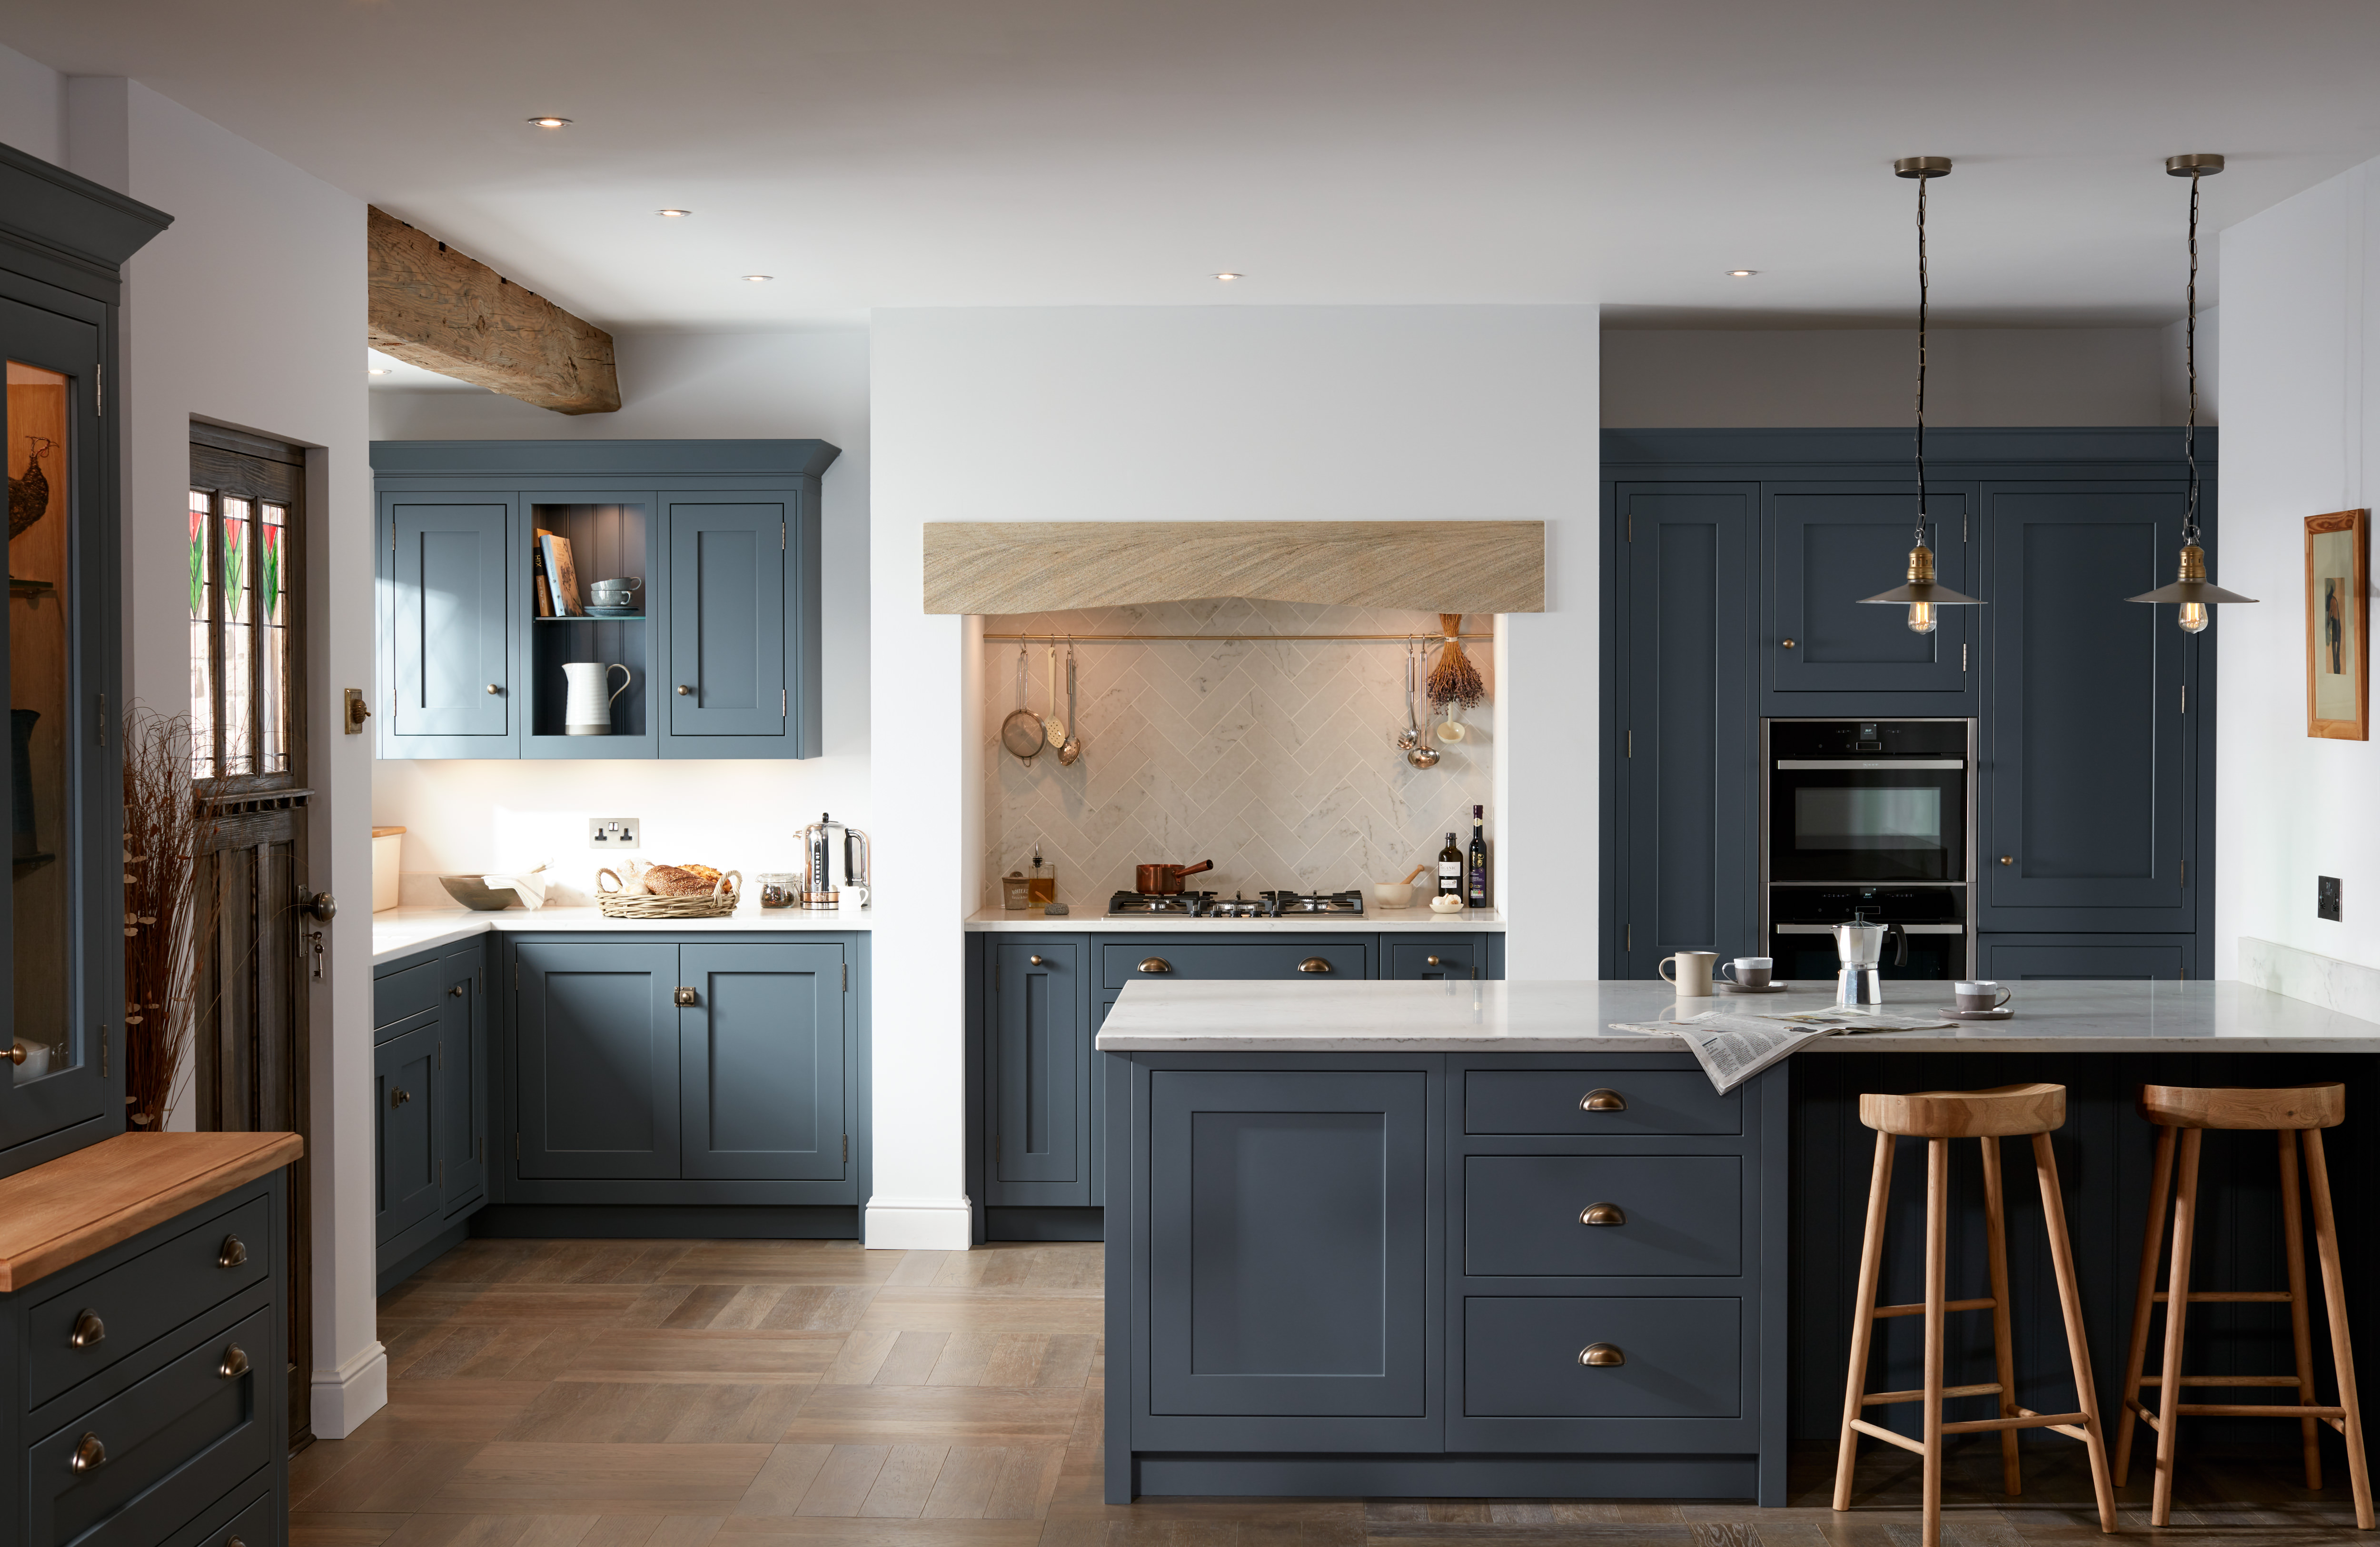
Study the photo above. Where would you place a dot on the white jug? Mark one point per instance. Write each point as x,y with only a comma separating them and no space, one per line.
588,713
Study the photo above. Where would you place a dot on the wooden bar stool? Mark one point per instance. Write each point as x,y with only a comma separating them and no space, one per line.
1939,1116
2303,1111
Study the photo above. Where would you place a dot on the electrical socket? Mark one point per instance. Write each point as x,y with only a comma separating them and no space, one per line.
614,833
2326,898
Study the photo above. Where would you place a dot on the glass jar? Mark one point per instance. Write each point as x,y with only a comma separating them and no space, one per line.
779,889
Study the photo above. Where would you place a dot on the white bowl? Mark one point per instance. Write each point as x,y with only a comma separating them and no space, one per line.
1446,904
1392,894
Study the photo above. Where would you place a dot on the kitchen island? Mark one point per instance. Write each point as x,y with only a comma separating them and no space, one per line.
1348,1249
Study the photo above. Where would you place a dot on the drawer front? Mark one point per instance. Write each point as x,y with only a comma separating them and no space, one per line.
409,992
246,1520
1429,960
168,1445
1653,1102
1250,960
1527,1216
137,1301
1681,1359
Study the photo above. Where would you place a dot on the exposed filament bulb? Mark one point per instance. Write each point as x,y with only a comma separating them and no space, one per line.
1923,621
2194,618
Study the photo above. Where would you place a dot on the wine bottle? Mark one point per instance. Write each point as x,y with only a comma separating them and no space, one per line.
1450,870
1476,889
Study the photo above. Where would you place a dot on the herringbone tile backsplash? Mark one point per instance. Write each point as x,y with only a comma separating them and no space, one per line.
1274,758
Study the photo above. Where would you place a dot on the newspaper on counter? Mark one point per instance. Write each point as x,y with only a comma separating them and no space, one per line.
1733,1046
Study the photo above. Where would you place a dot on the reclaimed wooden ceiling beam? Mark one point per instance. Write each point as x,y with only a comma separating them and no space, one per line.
434,307
1431,567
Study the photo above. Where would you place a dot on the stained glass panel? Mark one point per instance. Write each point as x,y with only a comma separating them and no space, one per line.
203,597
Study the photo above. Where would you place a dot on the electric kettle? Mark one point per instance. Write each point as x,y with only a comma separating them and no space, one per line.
1859,950
835,864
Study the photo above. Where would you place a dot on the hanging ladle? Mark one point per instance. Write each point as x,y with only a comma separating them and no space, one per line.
1051,723
1071,748
1421,755
1410,737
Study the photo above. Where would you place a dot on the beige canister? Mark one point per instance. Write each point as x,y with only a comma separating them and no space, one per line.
388,863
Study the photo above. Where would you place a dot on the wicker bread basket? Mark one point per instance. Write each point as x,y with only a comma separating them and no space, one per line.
619,903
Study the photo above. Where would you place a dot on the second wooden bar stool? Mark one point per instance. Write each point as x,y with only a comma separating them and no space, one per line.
2296,1115
1939,1116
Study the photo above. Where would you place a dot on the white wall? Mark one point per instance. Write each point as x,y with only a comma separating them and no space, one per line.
466,816
1822,377
32,107
2300,436
1422,413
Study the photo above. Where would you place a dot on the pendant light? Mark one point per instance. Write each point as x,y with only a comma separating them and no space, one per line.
2191,587
1920,594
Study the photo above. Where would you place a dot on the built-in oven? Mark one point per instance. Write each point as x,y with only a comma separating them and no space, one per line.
1873,819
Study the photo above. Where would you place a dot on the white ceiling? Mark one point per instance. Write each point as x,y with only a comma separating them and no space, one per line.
995,152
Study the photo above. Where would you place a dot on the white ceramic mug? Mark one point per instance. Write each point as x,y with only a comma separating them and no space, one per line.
1978,995
1694,979
1750,971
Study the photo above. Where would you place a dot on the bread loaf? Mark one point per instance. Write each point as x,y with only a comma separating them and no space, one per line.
675,880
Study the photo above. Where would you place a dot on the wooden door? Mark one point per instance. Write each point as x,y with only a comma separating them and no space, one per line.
762,1056
727,621
448,646
2087,760
261,951
405,1098
1040,1084
1688,742
597,1060
1834,546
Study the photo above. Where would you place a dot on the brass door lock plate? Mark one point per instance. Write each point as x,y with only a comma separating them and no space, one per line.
685,996
359,711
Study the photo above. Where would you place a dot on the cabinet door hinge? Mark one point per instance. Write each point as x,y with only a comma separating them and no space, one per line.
847,1148
1962,528
846,977
2185,698
99,393
1632,744
1962,657
103,1050
781,537
780,703
439,1049
1627,937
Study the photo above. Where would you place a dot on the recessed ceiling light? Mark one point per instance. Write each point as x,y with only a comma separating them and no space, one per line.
1227,278
1741,273
759,278
547,120
382,371
673,214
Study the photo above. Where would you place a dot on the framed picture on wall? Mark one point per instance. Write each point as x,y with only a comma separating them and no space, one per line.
2339,571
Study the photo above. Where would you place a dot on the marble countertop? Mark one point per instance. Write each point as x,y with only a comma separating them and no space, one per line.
1094,919
401,932
1575,1016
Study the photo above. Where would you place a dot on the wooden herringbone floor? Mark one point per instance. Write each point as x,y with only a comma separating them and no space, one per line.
776,1393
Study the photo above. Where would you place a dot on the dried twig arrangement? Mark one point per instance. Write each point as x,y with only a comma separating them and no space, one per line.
165,839
1452,678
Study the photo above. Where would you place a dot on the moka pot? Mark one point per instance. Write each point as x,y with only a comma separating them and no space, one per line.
1859,951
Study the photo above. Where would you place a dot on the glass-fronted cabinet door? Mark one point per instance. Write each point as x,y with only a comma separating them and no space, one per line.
64,1053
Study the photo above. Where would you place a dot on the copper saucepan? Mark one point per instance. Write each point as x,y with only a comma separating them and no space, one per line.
1165,880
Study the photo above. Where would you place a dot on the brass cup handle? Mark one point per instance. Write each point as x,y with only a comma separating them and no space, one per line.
1601,1356
89,1455
1313,964
685,692
88,1329
1602,1213
686,997
234,1252
1603,1100
16,1052
1036,961
235,1363
399,1097
1155,964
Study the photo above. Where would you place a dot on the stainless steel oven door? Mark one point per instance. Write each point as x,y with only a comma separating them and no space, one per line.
1887,820
1806,954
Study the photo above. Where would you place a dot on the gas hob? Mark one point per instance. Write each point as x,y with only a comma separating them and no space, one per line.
1209,905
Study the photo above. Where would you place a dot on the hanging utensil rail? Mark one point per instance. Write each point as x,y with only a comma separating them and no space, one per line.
1218,638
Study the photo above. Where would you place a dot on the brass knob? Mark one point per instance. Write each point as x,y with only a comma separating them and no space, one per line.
1433,961
15,1053
2008,859
1155,964
88,1329
235,1363
1602,1100
234,1252
399,1096
322,906
1036,961
685,996
1313,964
1602,1213
455,992
684,691
1788,644
88,1453
494,689
1601,1356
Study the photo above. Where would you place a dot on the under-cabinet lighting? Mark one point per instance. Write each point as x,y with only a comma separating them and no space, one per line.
1741,273
673,214
382,371
548,120
1227,278
759,278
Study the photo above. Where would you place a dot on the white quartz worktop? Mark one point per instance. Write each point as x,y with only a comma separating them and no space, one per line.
400,932
1095,920
1571,1018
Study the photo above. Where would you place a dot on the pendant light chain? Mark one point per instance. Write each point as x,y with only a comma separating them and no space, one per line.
2190,350
1922,304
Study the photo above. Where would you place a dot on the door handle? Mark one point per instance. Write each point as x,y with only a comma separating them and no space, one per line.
234,1252
399,1096
1433,961
1313,964
1601,1356
1788,644
235,1363
15,1053
1155,964
88,1329
2008,859
1602,1213
684,691
319,905
1036,961
455,992
494,689
685,996
89,1455
1602,1100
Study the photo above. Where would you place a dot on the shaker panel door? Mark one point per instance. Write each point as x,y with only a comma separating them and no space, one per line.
1039,1074
1834,548
2086,752
448,645
597,1045
727,618
1686,726
762,1055
406,1099
463,1079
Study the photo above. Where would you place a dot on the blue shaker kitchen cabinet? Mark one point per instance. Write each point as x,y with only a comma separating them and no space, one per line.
760,1062
1832,546
447,658
2017,958
462,1130
596,1040
743,605
1039,1073
406,1097
1435,958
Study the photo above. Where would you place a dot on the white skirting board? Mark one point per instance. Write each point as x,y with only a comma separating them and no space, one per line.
919,1224
2344,986
345,1396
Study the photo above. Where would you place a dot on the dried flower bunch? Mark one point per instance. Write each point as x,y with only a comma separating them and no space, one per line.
165,840
1452,677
